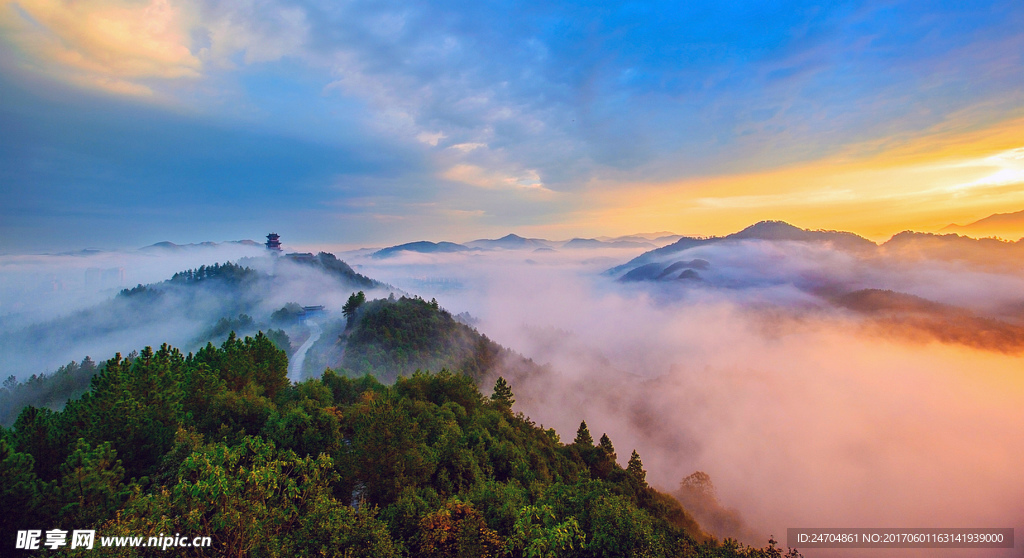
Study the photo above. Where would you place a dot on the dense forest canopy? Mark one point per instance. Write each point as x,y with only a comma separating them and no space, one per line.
219,443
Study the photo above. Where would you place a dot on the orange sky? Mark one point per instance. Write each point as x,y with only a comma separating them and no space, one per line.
950,174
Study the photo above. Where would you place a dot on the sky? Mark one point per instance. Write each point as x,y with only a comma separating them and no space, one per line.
126,123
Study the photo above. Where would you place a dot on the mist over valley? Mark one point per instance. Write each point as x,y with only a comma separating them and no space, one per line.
814,377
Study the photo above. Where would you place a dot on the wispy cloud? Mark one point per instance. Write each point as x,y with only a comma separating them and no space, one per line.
109,45
579,99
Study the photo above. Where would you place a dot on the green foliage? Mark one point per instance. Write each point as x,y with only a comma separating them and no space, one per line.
139,292
38,433
220,444
135,405
256,500
606,446
229,273
255,360
583,437
503,394
287,314
538,535
457,531
331,265
394,338
91,485
224,326
45,390
635,470
352,306
20,493
280,340
347,391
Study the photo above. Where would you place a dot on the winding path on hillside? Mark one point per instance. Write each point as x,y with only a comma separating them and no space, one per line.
299,358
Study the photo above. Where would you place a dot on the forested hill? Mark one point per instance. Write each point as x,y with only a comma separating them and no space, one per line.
391,337
219,443
386,338
186,310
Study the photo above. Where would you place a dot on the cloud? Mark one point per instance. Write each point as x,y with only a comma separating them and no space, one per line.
103,43
430,139
1008,169
582,100
467,147
477,176
259,30
802,412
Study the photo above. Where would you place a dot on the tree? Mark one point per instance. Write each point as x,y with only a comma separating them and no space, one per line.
280,339
635,469
91,484
256,500
699,483
353,304
583,435
606,445
457,530
502,393
19,492
538,534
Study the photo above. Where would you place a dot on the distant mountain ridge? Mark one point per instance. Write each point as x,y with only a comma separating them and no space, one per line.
763,230
854,286
194,298
510,242
988,252
516,242
595,243
998,224
422,246
170,246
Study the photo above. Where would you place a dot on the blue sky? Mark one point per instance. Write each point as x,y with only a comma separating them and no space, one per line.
126,123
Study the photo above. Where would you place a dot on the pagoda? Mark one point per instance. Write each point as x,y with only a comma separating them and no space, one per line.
273,242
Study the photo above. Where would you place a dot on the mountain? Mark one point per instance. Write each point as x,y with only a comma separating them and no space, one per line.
422,246
192,307
782,231
172,247
516,242
585,243
1005,225
657,238
772,231
333,267
390,338
510,242
896,313
991,253
220,442
660,272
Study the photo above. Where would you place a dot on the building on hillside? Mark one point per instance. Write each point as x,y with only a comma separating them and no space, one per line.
311,311
274,242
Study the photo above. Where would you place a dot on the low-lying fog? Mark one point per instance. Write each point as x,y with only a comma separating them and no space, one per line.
807,405
802,411
39,287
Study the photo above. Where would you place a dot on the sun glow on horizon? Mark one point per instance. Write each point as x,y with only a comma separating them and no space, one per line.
925,184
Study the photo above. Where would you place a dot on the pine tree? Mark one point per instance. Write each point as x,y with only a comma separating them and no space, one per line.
91,484
352,305
583,435
635,469
606,445
503,393
19,491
